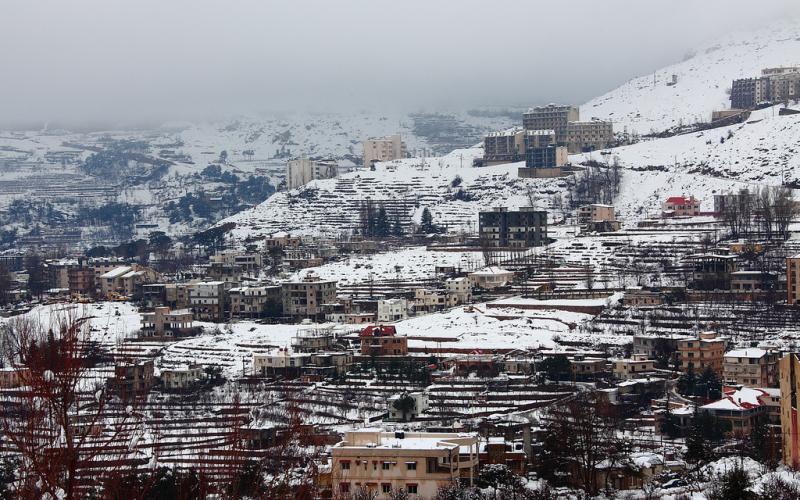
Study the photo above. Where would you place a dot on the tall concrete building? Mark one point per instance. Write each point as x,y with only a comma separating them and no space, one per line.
305,298
748,92
551,117
513,145
386,148
792,277
789,369
501,228
588,136
302,171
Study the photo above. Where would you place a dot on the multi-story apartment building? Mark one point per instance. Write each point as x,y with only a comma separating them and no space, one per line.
417,463
384,149
512,145
589,135
523,228
461,288
430,299
748,92
551,117
503,147
165,323
392,310
751,367
133,378
303,170
595,212
651,346
256,301
305,298
792,278
707,350
740,410
546,157
208,300
789,370
126,280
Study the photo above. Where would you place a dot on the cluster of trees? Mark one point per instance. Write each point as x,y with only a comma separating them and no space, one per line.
707,384
375,223
158,243
598,184
191,206
766,213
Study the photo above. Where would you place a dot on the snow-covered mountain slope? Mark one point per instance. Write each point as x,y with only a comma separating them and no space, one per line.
647,104
765,149
404,188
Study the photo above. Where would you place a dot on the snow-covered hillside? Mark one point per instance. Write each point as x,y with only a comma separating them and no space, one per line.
647,104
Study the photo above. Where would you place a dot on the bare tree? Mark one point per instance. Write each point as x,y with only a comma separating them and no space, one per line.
61,420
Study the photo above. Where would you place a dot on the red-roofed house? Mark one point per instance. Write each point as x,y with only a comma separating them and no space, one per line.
382,340
739,409
681,206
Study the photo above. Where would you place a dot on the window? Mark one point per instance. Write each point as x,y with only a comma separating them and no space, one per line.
386,465
386,487
411,489
411,465
345,465
344,487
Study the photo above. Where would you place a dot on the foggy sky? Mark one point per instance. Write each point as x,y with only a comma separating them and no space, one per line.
82,60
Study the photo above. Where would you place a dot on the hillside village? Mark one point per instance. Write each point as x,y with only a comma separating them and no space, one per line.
588,301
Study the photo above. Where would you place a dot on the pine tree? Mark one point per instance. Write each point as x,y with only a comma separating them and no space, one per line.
426,224
382,228
397,227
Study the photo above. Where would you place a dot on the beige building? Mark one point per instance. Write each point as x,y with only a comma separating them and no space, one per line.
305,298
256,301
461,288
751,367
595,213
588,136
705,351
631,368
165,323
181,377
302,171
430,300
279,360
789,369
511,145
792,277
126,280
384,149
418,463
551,117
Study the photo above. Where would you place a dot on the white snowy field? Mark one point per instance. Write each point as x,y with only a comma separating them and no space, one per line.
414,263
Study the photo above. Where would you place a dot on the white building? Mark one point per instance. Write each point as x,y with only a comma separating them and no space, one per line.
491,278
281,359
182,377
461,288
392,310
420,406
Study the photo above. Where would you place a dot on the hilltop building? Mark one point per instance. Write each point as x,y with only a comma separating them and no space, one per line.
302,171
384,149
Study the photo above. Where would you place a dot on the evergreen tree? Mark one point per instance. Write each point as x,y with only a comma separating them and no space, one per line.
397,227
426,224
382,227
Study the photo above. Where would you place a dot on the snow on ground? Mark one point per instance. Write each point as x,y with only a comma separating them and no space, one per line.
761,150
480,328
408,264
646,103
110,322
232,346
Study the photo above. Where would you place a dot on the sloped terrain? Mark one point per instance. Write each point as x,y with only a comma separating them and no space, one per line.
647,104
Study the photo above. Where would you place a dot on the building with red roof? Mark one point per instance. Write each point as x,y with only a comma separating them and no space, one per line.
681,206
382,340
